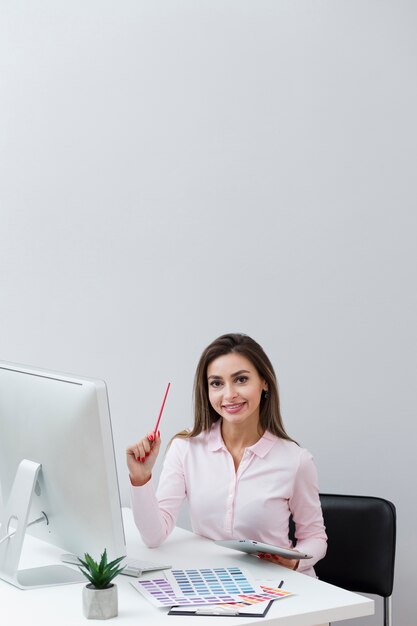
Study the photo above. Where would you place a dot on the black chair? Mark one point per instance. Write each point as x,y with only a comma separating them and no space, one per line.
360,555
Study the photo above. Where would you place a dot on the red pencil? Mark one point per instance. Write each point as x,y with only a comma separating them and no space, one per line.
162,408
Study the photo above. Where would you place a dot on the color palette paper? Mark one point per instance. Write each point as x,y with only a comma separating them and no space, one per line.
197,587
220,580
267,593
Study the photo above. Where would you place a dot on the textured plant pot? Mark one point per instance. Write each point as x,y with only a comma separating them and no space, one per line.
99,603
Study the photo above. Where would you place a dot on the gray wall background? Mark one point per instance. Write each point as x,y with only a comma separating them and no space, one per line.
172,170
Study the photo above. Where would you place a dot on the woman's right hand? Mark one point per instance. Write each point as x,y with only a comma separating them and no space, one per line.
141,457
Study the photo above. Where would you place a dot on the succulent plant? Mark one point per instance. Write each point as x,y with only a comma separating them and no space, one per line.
100,574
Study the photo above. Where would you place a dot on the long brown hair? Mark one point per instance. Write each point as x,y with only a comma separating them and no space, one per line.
269,414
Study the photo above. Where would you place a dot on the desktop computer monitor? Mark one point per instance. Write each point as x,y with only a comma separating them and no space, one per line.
57,467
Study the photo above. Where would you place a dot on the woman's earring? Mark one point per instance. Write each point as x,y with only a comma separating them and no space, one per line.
266,394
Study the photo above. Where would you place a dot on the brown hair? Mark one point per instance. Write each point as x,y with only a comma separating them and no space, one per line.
205,415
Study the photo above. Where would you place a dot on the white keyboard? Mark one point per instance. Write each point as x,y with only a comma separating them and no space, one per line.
136,567
133,567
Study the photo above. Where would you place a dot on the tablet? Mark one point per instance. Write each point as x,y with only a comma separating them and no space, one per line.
255,547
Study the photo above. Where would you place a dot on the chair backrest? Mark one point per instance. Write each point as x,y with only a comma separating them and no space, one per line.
361,534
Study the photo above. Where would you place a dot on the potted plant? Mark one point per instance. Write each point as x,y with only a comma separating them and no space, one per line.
100,594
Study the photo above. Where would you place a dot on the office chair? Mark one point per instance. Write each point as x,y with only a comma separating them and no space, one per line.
360,555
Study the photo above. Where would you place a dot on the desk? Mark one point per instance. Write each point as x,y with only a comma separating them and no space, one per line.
314,602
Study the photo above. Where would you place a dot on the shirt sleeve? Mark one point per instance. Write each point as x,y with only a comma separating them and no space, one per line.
155,513
307,514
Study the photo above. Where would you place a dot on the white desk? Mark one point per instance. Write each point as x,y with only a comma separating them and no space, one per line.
314,602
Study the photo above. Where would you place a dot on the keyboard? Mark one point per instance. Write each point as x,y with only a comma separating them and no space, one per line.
136,567
133,567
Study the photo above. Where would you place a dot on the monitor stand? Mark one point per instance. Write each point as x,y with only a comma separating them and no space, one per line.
14,522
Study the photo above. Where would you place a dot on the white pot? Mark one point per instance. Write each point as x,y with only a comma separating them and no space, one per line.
99,603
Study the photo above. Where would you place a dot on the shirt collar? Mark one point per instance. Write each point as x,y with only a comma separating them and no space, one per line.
260,448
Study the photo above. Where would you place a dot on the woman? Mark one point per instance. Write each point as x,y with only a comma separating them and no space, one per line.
242,475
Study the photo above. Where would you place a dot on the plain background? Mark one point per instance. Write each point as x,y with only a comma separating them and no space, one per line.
173,170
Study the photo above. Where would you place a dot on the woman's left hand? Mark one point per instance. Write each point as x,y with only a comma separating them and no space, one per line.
280,560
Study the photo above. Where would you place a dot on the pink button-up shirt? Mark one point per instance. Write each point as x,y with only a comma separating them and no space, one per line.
275,478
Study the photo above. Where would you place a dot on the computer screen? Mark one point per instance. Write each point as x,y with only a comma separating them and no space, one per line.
62,423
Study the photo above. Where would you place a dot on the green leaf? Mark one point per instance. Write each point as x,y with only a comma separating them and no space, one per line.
100,574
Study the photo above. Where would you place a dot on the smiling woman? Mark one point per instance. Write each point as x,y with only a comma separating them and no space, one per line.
242,475
256,362
235,391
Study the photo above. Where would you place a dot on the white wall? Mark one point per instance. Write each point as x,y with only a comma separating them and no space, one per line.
174,170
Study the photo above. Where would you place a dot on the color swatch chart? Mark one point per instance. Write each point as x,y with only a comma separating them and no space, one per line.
197,586
267,593
202,582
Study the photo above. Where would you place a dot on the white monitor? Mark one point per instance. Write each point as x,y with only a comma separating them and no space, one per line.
57,469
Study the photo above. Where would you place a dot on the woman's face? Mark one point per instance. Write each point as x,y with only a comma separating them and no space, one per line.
235,388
